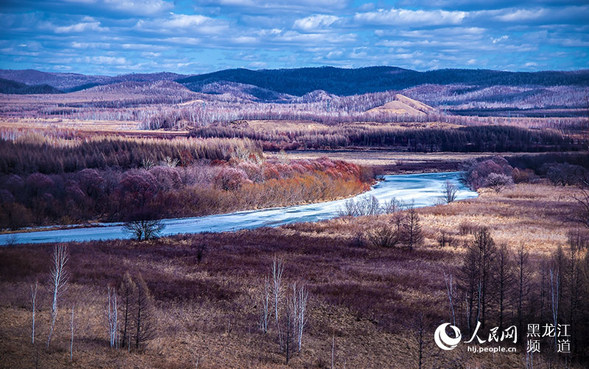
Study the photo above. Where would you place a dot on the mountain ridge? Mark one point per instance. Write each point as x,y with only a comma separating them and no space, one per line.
301,81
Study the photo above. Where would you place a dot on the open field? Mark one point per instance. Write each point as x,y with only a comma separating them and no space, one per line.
367,299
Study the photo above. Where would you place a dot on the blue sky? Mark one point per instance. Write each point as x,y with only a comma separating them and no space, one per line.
196,36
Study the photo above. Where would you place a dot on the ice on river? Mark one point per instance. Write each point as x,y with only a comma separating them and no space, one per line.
420,189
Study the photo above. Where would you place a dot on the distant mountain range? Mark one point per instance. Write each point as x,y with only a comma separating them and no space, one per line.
273,84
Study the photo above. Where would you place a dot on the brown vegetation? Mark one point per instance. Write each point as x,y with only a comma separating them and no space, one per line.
208,310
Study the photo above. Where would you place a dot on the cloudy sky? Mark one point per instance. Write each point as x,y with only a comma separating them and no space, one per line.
195,36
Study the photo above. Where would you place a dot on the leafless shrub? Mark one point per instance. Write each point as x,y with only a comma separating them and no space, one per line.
383,235
497,181
145,229
466,228
449,192
367,205
445,239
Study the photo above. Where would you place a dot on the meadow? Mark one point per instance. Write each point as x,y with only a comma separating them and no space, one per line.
366,304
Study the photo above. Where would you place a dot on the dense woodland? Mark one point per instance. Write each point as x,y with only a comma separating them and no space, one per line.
464,139
124,179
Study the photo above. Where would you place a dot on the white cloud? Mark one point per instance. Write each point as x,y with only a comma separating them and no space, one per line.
273,4
411,17
136,7
315,22
296,37
81,27
110,60
518,15
184,23
499,39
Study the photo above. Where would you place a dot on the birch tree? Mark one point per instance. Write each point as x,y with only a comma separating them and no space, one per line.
112,315
34,308
277,270
72,334
265,306
58,280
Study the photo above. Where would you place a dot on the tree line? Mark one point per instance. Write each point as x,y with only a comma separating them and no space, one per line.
166,190
463,139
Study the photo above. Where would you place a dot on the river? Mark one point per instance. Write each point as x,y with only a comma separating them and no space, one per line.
420,189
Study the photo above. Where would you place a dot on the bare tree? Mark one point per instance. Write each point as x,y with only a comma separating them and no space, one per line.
476,272
277,270
59,279
449,192
451,290
265,306
128,290
34,308
300,298
554,299
413,234
289,326
577,242
144,330
504,279
112,316
72,335
523,284
392,206
420,329
333,351
582,199
145,229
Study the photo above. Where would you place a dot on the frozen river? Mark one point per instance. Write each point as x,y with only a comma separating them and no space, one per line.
421,189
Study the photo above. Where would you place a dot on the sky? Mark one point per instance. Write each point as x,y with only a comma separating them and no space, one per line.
114,37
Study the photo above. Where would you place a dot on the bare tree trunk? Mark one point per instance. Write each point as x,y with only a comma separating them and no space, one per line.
143,323
522,260
72,336
59,278
450,288
554,295
333,352
420,342
34,306
113,318
277,270
265,306
128,290
301,296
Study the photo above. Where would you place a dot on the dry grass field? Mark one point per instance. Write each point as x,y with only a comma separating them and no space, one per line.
367,300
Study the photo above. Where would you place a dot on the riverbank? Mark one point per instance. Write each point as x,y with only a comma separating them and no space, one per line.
417,189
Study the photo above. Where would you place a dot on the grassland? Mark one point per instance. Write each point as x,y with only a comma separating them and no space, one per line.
365,299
